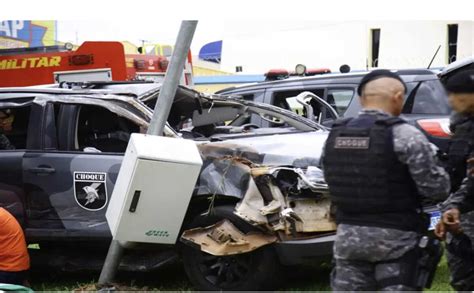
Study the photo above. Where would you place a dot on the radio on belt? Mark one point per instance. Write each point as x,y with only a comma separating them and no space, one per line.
153,189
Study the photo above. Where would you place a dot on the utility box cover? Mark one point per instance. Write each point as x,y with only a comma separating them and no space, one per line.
153,189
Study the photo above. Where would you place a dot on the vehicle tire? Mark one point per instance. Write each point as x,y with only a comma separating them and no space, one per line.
255,270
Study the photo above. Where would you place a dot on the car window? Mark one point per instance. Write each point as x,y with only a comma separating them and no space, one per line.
99,129
287,100
14,127
430,98
208,121
339,99
249,97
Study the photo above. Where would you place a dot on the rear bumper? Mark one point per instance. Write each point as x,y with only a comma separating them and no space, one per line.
301,251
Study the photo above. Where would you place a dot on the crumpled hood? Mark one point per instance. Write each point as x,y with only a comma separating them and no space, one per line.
293,149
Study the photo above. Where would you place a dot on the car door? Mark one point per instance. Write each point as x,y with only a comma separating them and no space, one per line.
75,174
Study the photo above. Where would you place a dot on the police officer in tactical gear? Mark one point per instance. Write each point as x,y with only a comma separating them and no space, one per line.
379,170
460,87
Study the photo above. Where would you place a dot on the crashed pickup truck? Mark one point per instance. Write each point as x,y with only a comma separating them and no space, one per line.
260,200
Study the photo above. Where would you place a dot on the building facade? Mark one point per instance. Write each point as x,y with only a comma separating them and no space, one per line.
360,44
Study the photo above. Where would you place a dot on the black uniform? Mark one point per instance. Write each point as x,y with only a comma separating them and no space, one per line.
460,149
461,146
459,247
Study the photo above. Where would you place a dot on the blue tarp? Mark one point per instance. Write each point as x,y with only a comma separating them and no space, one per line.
211,52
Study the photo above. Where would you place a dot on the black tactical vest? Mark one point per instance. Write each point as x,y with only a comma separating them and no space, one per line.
368,184
461,145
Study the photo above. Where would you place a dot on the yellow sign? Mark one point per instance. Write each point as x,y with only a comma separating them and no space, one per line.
27,33
35,62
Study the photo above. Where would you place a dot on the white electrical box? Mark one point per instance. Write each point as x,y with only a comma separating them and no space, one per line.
153,189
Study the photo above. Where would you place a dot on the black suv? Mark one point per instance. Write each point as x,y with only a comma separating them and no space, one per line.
426,104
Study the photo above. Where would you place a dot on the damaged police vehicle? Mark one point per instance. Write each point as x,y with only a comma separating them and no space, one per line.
260,200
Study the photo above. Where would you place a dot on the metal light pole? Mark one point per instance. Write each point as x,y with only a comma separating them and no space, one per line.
157,125
172,77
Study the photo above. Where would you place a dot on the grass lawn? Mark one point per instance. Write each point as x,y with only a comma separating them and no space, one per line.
172,277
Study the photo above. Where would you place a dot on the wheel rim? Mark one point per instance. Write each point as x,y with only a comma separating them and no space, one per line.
225,271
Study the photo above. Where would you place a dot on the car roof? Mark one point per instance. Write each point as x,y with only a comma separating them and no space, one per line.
408,75
49,93
42,94
92,89
131,88
48,90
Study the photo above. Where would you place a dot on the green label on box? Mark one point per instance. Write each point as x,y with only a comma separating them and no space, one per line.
157,233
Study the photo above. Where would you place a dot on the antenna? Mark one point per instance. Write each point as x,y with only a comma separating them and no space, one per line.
434,56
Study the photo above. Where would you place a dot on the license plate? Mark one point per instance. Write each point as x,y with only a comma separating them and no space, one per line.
435,217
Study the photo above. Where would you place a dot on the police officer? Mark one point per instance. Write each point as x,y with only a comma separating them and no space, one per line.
6,121
379,169
461,153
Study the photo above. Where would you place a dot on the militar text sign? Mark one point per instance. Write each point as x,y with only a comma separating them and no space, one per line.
39,68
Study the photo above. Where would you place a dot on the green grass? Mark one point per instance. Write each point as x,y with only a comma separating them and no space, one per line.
168,278
318,280
172,277
441,281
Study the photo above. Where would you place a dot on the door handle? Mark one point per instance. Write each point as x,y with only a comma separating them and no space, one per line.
136,197
42,170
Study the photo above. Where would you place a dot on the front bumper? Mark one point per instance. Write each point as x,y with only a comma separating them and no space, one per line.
308,250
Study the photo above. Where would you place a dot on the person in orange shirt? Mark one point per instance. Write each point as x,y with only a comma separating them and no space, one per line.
14,258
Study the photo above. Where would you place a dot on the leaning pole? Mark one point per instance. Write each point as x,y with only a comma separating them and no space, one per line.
157,125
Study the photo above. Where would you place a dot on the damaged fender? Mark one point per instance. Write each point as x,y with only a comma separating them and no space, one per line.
224,238
285,203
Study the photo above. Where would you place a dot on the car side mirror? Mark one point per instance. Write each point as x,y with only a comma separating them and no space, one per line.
308,108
